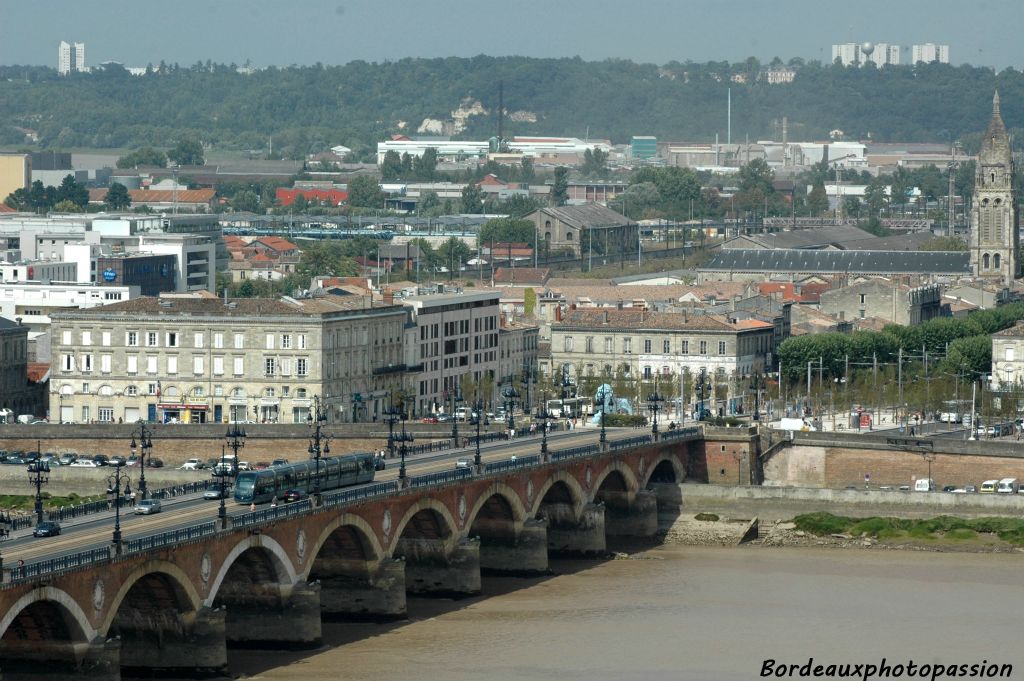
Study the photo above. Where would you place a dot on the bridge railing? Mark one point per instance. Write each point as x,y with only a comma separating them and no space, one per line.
573,452
487,437
21,573
360,493
692,431
440,478
184,489
630,442
178,536
273,513
512,464
434,446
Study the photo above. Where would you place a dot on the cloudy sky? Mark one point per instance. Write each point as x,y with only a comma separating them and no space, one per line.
265,32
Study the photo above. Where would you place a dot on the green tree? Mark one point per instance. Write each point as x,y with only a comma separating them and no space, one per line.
526,172
560,188
817,200
943,243
425,166
246,201
529,302
72,191
391,166
508,230
429,204
187,152
117,197
364,192
472,199
146,156
67,206
595,163
452,254
19,200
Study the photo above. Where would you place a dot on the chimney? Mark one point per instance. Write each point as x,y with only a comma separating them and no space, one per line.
606,316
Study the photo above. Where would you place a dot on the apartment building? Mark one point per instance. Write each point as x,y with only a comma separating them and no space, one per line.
196,360
451,338
15,394
517,352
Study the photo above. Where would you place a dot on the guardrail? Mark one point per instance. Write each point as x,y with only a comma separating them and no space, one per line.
21,573
440,478
630,442
512,464
273,513
435,446
573,452
489,437
167,538
679,433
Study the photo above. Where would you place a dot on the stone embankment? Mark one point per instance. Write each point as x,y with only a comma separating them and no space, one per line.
709,530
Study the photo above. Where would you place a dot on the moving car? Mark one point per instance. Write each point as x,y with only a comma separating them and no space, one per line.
293,495
378,462
464,463
147,507
47,528
214,493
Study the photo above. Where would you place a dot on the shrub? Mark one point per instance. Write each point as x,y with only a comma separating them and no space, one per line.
708,517
822,523
624,420
961,533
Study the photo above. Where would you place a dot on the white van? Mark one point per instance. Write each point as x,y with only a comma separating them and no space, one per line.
924,485
795,424
988,487
1008,486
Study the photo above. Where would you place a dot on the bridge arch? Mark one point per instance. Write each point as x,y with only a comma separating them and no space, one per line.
664,468
280,560
184,592
571,486
67,606
447,527
359,538
509,495
626,474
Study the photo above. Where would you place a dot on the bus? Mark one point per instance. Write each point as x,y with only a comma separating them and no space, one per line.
568,408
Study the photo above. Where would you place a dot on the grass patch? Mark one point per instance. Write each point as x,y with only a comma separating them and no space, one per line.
961,534
707,517
1010,530
20,502
822,523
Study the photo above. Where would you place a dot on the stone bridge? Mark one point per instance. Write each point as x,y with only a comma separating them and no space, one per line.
174,609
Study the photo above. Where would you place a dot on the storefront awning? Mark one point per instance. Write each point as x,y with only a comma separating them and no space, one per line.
183,407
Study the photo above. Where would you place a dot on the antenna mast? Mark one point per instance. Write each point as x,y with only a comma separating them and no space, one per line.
501,114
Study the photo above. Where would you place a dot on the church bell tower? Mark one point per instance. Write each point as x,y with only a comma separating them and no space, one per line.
994,237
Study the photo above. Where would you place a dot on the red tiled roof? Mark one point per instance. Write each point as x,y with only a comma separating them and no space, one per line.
276,243
143,196
234,242
521,275
334,197
38,372
4,208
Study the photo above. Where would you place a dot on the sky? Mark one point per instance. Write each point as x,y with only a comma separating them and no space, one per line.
271,32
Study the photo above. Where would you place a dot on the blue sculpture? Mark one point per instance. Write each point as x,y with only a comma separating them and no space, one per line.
605,401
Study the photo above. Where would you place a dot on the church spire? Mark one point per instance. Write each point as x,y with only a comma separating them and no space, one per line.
995,104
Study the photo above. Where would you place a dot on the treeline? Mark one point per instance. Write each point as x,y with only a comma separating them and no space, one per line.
958,346
309,109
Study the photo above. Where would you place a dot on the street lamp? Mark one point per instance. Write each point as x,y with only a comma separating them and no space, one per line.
480,416
929,457
145,446
6,524
511,396
456,399
602,395
393,415
543,415
234,438
756,385
315,420
114,492
39,475
654,401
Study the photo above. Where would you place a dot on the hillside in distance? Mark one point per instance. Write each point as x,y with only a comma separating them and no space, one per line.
309,109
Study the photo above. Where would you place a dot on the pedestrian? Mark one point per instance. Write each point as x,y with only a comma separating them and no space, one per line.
273,502
252,507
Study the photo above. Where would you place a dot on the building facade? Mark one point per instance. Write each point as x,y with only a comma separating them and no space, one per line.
929,52
517,356
451,342
70,57
1008,358
15,173
200,360
15,394
586,229
995,240
886,300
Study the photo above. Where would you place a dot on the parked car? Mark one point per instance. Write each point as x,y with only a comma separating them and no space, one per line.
192,465
147,507
293,495
47,528
152,462
117,460
429,419
214,493
67,459
279,462
261,465
101,460
84,463
444,418
244,466
31,456
949,488
14,460
132,460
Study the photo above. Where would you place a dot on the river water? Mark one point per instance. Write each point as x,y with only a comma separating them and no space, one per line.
681,612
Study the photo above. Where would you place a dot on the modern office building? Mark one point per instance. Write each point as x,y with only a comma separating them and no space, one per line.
199,359
929,52
858,54
70,57
15,173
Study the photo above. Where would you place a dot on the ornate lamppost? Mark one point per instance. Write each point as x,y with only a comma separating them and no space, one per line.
543,415
5,531
456,399
654,401
756,383
511,397
602,396
235,439
39,475
393,415
145,447
319,444
480,416
114,494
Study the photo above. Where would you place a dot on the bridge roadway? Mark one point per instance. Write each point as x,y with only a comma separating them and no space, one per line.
95,531
183,588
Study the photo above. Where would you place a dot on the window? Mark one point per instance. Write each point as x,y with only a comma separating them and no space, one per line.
197,366
133,364
666,346
721,347
106,339
151,389
87,338
285,364
131,390
684,347
608,346
647,345
218,340
105,364
270,366
65,338
199,391
286,341
67,362
270,341
86,363
151,365
568,343
862,311
268,392
239,367
1009,354
131,339
301,344
218,391
85,415
647,372
703,347
301,366
198,340
85,388
300,393
105,390
105,414
172,339
239,341
172,365
151,339
590,344
218,366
